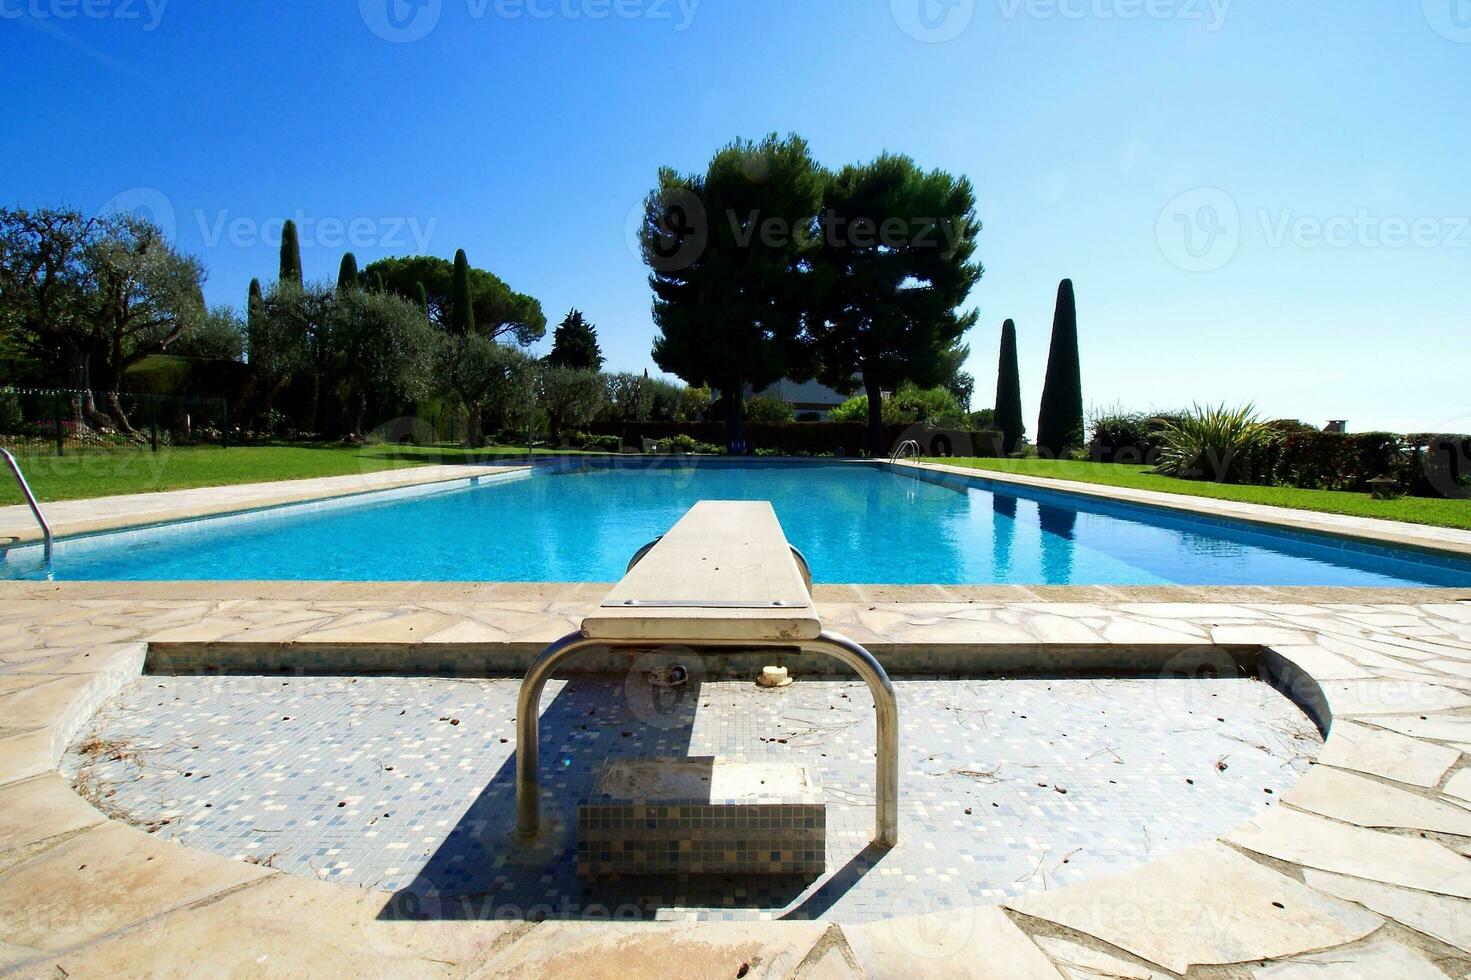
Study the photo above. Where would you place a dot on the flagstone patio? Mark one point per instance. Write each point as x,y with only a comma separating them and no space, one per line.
1364,861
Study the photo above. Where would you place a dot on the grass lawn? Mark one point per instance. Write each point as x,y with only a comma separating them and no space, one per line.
1416,510
104,473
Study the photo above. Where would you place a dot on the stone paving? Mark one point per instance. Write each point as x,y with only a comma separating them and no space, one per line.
1362,865
406,785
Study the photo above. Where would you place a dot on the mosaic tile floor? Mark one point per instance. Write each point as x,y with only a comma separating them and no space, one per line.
407,785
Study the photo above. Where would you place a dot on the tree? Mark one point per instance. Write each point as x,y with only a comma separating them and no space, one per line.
281,346
290,253
665,398
500,312
220,336
894,267
727,251
630,396
90,297
487,377
1060,424
421,297
694,405
962,384
570,396
347,274
148,295
385,346
47,291
575,344
461,309
1009,392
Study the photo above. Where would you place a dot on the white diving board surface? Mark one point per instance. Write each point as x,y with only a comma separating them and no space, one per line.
724,573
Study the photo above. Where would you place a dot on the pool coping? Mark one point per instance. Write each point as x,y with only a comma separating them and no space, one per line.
93,515
1422,537
1271,888
411,592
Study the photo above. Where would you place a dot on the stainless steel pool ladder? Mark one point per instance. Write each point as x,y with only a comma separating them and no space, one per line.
25,490
910,446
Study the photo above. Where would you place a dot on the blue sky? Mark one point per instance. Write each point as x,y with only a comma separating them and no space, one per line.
1257,200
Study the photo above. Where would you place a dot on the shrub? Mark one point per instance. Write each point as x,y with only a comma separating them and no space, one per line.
1220,444
694,405
932,406
601,444
1128,437
765,408
686,444
808,417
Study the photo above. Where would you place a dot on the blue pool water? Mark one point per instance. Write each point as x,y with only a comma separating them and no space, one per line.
856,524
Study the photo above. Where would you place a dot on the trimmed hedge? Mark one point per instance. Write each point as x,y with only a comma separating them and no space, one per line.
1423,464
808,438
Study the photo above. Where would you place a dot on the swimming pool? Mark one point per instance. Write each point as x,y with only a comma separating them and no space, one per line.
858,524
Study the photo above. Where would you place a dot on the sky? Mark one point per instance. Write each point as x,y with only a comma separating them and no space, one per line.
1257,200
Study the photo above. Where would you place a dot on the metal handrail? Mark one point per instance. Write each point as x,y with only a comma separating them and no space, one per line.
906,445
25,490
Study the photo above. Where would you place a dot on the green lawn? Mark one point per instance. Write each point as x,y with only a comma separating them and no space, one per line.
1417,510
104,473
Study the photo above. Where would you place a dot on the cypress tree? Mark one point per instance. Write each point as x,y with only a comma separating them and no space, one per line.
1060,424
1009,392
252,318
347,273
290,253
378,286
421,296
575,344
461,312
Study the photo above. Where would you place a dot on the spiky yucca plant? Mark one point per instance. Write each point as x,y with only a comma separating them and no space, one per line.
1214,443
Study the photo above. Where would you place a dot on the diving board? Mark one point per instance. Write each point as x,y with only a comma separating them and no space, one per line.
723,579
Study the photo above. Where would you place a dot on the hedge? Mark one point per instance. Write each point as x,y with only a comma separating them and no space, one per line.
1423,464
809,438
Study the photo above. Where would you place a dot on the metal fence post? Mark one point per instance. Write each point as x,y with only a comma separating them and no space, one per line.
153,421
60,433
224,423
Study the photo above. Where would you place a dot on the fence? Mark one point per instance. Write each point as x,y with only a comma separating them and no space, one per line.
60,422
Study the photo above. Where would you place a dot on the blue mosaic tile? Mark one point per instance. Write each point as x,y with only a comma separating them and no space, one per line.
406,785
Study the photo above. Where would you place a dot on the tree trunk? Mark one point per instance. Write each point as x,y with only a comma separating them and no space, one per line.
115,409
876,445
474,435
735,436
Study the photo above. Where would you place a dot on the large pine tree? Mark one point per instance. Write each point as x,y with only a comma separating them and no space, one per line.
728,293
575,344
1009,392
461,305
894,267
1060,424
290,253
